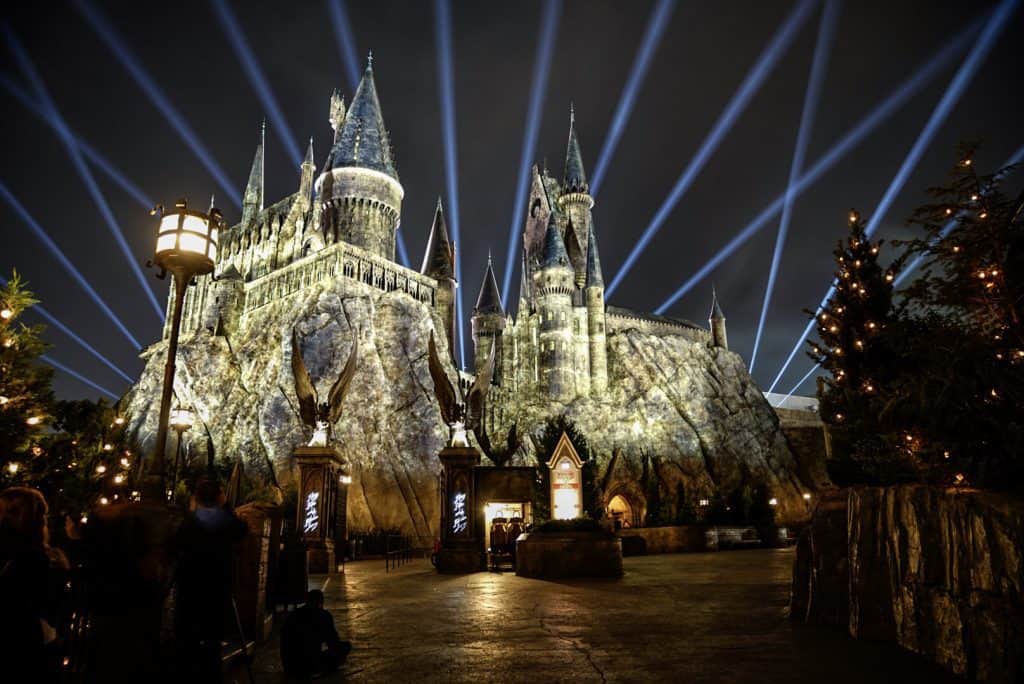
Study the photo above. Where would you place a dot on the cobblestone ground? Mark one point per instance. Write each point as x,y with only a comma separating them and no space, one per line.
708,617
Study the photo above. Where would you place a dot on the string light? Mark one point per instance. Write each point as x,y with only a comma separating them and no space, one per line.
967,162
104,501
12,467
6,313
983,215
84,519
119,421
108,447
4,400
125,462
948,211
807,496
118,479
974,198
34,420
101,469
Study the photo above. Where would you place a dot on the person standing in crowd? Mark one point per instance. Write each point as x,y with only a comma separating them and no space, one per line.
309,641
27,596
206,544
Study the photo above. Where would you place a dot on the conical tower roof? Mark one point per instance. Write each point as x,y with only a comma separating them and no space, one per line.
362,139
575,179
594,276
309,153
554,246
439,259
489,299
716,310
253,197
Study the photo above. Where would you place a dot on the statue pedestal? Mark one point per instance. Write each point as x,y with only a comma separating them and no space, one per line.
462,547
320,490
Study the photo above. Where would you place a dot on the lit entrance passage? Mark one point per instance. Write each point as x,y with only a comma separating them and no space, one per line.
503,520
566,481
620,511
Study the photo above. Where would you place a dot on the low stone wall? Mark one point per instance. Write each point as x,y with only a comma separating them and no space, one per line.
639,541
937,571
554,555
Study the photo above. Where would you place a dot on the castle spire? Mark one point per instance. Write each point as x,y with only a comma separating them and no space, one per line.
309,153
554,246
362,140
594,275
524,284
252,200
575,179
439,258
489,299
716,310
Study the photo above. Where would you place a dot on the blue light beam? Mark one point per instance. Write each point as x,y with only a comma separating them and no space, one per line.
346,41
819,65
766,61
236,36
50,245
446,77
52,320
71,145
847,143
541,69
97,159
156,95
648,44
955,89
77,376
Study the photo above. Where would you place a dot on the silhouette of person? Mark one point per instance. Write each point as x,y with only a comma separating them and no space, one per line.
309,641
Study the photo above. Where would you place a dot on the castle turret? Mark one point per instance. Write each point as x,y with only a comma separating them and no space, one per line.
553,287
229,300
593,292
576,201
358,191
717,322
252,200
488,323
439,264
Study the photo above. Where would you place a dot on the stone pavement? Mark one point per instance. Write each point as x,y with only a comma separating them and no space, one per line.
703,617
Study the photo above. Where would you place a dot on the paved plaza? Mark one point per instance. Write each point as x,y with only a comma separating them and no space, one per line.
703,617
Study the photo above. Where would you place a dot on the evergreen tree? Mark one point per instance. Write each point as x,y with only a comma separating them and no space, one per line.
25,394
855,331
965,327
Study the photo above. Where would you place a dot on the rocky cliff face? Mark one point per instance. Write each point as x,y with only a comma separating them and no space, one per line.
940,572
687,414
677,412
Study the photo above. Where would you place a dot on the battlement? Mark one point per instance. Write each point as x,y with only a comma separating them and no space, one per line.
339,260
619,318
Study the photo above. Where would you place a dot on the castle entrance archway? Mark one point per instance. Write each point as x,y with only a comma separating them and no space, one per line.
620,511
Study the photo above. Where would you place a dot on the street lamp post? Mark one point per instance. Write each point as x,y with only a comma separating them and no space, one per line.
186,247
181,420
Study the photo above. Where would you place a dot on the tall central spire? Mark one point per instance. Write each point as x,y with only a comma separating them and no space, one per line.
362,140
575,176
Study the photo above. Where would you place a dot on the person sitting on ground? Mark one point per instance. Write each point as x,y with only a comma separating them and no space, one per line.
309,642
206,541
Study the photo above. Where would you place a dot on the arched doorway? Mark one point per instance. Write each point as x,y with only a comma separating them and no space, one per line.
620,511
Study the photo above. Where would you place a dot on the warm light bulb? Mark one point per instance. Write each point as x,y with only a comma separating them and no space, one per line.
12,467
6,313
773,501
108,447
119,421
948,211
3,400
34,420
118,479
104,501
84,519
974,198
983,214
807,497
125,462
101,469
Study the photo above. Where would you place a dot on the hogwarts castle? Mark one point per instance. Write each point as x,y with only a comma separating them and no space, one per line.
672,416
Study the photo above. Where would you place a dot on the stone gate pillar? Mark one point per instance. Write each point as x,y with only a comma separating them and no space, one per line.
320,471
461,542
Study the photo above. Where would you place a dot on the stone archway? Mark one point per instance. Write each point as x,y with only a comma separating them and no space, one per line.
621,512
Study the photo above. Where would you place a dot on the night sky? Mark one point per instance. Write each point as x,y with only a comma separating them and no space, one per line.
704,54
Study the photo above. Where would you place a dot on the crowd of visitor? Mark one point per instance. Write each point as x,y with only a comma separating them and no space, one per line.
97,578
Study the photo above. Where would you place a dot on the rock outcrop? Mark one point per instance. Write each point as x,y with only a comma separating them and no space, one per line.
678,413
937,571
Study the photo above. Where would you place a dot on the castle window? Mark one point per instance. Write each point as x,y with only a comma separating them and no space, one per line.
561,317
576,327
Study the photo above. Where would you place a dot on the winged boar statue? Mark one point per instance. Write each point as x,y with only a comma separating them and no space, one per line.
321,416
460,411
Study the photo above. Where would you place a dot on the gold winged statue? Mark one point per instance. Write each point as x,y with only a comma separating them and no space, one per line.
321,416
461,411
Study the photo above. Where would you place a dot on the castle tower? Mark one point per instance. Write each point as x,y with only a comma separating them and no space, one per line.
553,287
717,322
358,191
439,264
488,323
252,200
593,293
308,168
576,202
